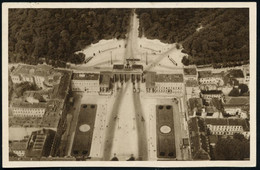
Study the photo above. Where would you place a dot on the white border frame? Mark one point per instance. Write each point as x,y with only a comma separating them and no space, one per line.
252,38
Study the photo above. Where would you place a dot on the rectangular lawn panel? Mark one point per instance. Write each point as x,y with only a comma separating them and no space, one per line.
165,132
84,131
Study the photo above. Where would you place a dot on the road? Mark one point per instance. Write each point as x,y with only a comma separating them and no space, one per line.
73,125
141,127
111,124
159,58
131,48
126,130
122,134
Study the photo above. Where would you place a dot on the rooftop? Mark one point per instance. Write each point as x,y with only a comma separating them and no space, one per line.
25,121
150,79
193,124
19,145
221,74
118,66
135,66
190,71
37,146
85,76
198,139
211,91
217,103
228,122
236,101
191,83
39,70
210,109
104,79
205,74
29,105
41,96
195,103
169,78
63,87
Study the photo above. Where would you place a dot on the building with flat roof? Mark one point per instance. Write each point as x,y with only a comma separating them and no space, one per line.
86,82
150,82
24,109
209,95
53,113
237,106
105,83
34,74
191,83
18,147
171,84
118,66
227,126
214,109
209,87
40,143
190,76
190,71
42,108
195,106
211,112
207,77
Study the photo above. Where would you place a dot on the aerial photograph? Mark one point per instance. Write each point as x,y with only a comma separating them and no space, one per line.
128,84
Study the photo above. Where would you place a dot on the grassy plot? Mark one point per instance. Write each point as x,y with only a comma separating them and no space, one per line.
84,131
165,132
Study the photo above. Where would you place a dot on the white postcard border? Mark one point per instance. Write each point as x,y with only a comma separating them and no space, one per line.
252,17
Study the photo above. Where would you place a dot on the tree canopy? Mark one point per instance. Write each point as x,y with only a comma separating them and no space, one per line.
56,34
234,92
232,149
243,88
20,88
222,40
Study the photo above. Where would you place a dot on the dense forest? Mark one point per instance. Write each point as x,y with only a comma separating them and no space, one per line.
222,40
54,35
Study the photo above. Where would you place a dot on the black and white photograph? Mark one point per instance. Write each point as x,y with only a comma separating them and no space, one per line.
101,84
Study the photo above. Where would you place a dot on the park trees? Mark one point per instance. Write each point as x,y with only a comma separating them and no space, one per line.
223,39
236,148
56,34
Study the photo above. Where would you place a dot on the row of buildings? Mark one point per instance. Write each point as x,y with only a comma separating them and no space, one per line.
38,144
204,90
38,114
92,82
205,133
172,84
212,112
